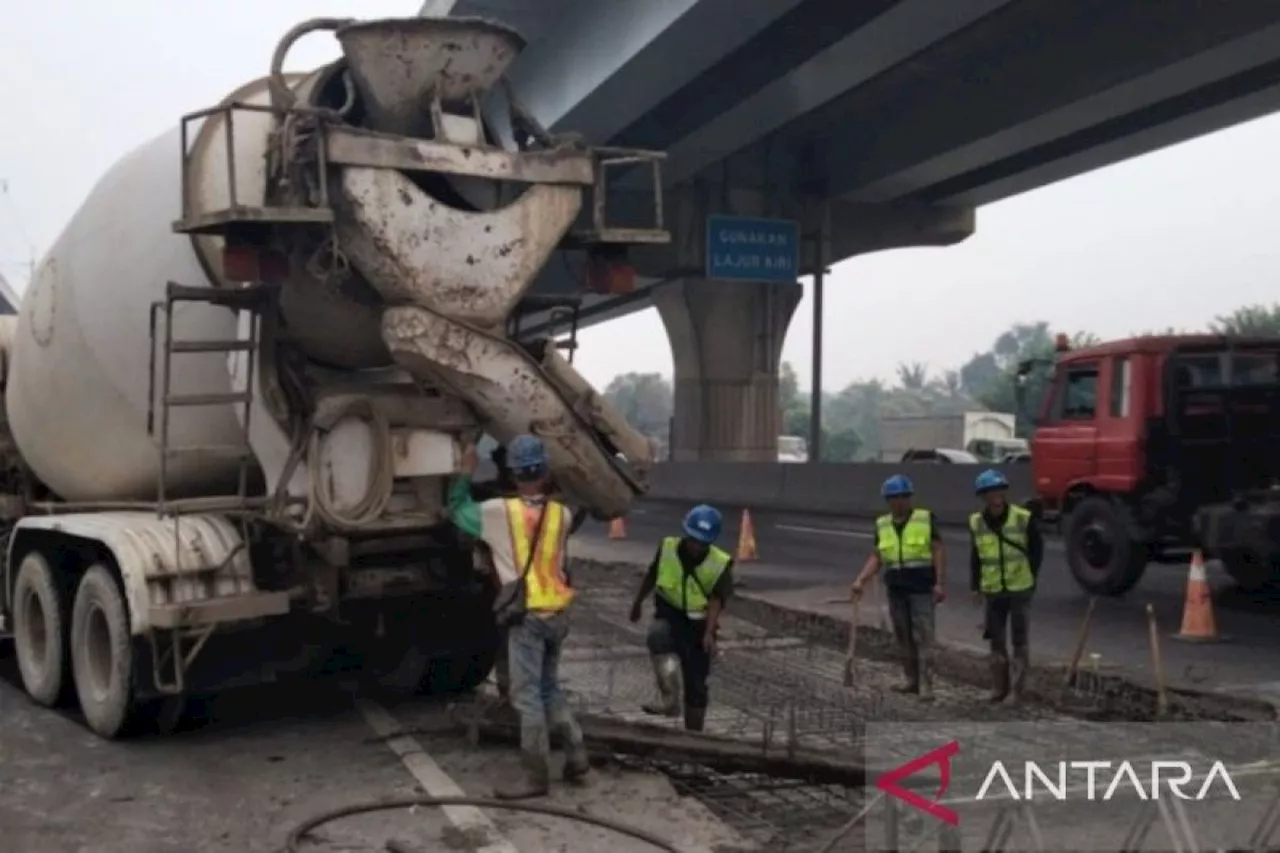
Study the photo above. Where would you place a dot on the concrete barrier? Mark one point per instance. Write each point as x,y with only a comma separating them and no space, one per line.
846,489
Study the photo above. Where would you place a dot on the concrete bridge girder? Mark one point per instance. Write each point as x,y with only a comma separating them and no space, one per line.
628,55
884,42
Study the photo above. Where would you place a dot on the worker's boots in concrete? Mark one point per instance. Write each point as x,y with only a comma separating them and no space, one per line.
576,763
666,669
1018,676
999,678
926,678
535,766
911,682
695,719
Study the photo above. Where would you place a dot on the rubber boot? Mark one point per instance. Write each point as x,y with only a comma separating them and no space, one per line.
926,678
535,756
1018,675
666,669
695,719
999,678
576,762
911,669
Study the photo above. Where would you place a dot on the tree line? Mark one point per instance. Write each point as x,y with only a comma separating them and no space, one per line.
851,416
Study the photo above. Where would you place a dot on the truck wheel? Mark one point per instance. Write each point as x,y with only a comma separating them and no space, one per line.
1101,552
39,631
459,672
467,640
102,652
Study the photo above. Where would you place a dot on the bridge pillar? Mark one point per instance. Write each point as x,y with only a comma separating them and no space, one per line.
726,345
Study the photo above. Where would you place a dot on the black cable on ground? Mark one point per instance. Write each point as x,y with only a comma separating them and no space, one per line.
311,823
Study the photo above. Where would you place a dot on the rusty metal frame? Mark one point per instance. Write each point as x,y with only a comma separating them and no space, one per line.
217,221
607,159
347,146
172,624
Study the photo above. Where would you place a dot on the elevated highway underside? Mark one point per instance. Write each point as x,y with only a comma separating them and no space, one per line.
890,108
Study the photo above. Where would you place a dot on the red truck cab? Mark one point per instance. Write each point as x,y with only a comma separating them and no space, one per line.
1148,447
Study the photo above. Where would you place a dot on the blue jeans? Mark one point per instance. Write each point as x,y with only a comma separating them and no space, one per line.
533,654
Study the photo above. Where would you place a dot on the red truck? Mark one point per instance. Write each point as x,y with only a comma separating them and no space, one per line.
1149,447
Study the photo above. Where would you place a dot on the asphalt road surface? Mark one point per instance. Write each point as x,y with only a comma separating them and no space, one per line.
824,554
246,767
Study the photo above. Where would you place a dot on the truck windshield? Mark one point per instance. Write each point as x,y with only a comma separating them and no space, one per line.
1227,369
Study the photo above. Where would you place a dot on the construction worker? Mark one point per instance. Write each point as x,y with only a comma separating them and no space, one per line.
504,486
526,535
693,579
1004,560
909,550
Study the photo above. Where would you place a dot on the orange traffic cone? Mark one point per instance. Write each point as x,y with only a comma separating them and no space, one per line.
618,528
1198,624
746,540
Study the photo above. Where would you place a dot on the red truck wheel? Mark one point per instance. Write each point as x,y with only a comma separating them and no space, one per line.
1101,551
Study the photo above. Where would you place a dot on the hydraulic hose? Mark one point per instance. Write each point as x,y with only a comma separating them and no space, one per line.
293,845
381,474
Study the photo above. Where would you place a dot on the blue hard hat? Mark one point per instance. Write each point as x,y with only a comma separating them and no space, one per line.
703,523
897,486
526,454
989,481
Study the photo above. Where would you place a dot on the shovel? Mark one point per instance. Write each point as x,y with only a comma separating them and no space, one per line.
853,645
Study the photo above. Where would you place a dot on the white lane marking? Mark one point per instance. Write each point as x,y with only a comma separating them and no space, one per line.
434,781
855,534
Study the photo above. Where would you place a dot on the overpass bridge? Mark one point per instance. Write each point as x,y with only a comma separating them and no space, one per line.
864,125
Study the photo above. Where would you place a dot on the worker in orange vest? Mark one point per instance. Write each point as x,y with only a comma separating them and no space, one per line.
526,535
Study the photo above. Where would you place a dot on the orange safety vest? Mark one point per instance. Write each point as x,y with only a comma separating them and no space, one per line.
546,585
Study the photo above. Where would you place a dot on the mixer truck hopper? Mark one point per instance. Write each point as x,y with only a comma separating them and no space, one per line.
229,436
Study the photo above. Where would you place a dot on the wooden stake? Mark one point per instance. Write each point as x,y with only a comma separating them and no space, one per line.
1162,698
853,645
1081,640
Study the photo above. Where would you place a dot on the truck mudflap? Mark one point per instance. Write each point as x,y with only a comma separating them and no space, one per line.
196,575
596,457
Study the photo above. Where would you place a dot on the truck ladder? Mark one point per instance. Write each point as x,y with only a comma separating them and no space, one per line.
251,299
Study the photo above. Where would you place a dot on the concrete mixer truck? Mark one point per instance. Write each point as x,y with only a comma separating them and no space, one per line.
229,435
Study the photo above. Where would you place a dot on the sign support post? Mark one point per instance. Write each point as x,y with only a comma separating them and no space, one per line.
819,276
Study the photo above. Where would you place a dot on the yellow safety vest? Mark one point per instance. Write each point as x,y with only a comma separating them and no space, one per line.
688,592
1005,567
913,548
546,585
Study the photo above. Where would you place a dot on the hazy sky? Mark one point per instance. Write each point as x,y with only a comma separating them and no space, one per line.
1170,239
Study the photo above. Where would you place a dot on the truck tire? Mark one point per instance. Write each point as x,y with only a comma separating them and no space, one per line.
460,671
1103,556
102,660
40,631
467,640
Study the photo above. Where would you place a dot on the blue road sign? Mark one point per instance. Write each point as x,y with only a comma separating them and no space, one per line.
740,248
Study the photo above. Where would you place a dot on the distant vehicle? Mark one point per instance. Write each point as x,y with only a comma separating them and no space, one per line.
941,454
997,449
1148,447
792,448
987,435
1016,459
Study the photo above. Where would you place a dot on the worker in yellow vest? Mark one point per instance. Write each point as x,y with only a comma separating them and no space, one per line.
503,486
909,551
526,535
693,580
1005,556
